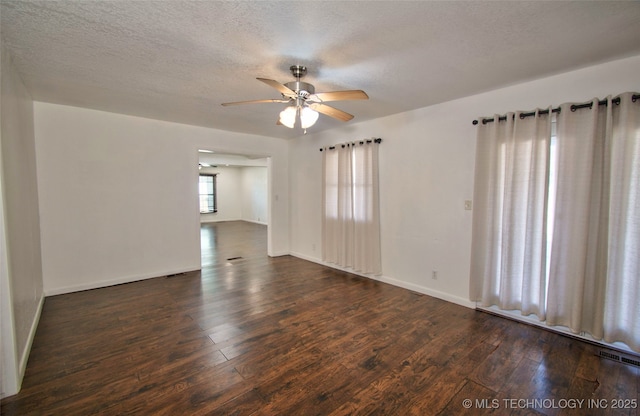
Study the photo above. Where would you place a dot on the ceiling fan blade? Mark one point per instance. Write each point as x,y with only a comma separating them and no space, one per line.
331,112
339,96
287,92
279,100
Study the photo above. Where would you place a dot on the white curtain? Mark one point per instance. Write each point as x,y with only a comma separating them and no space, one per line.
562,215
351,219
579,244
594,279
508,239
622,304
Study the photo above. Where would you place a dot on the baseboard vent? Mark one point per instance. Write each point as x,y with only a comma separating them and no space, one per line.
620,358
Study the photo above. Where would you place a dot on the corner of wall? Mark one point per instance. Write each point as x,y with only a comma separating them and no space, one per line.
21,282
24,354
9,384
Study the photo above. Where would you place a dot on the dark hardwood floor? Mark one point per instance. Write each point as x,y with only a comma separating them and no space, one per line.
282,336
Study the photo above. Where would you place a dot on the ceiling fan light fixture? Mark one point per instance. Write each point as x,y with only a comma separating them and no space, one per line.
288,116
303,102
308,117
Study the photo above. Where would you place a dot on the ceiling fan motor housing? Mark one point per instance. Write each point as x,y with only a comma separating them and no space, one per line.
303,89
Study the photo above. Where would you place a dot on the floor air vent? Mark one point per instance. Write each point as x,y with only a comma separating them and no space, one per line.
620,358
233,258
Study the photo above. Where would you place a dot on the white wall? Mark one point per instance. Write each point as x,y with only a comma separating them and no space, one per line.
253,188
242,194
118,195
21,293
426,173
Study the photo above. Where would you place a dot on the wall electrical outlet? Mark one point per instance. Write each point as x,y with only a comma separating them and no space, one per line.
434,274
468,204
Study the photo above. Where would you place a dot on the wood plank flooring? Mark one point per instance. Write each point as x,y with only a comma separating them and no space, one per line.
283,336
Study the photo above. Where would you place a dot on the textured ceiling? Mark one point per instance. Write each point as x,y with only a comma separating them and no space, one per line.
179,60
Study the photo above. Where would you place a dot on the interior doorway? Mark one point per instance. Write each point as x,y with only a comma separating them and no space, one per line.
241,196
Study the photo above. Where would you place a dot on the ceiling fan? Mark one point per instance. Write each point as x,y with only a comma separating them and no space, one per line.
304,102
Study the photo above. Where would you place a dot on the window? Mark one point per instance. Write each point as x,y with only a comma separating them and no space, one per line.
207,190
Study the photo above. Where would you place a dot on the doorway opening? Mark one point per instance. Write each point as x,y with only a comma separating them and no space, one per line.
239,224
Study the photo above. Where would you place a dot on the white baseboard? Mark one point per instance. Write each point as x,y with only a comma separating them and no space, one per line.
395,282
515,315
113,282
255,222
279,254
232,220
427,291
206,221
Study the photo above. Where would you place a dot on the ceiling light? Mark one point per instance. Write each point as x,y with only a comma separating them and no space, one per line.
308,117
288,116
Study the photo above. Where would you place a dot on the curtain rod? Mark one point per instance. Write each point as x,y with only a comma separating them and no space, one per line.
574,107
374,140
